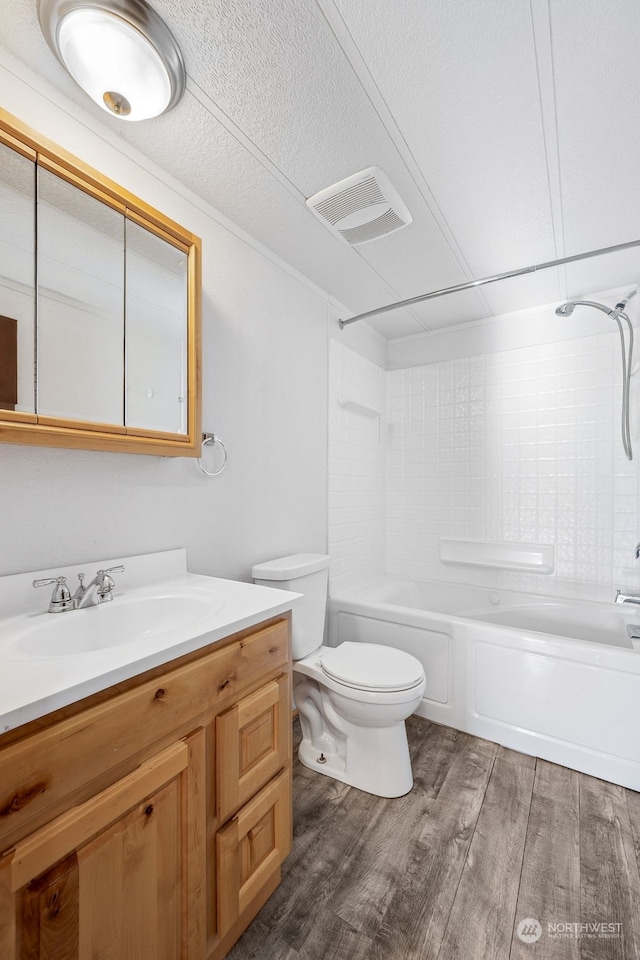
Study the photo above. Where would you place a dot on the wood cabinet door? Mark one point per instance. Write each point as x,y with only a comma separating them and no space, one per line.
251,848
253,742
113,877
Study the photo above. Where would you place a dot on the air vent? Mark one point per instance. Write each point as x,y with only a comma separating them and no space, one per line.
361,208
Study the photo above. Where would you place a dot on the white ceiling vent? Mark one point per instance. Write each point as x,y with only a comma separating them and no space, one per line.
362,207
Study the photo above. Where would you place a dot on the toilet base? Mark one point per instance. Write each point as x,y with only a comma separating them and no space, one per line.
378,763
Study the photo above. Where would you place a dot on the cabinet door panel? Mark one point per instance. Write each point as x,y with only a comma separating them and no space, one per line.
251,847
55,841
7,912
252,744
129,888
17,271
80,319
124,876
49,915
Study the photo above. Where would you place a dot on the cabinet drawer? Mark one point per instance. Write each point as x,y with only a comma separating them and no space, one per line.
67,761
251,848
253,742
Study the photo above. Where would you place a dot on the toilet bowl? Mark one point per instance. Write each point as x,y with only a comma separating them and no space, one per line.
352,728
352,699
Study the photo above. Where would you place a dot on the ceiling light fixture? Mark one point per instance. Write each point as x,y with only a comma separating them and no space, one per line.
119,51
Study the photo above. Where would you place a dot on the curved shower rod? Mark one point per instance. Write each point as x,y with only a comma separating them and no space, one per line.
471,284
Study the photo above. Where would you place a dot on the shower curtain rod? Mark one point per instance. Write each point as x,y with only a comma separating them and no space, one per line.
480,283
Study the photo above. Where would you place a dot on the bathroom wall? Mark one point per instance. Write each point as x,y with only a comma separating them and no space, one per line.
356,467
521,444
265,374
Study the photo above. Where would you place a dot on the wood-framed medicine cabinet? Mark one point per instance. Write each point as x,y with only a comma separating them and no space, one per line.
100,299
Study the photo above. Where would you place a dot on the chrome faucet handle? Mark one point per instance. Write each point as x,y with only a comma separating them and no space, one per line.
637,551
106,583
60,598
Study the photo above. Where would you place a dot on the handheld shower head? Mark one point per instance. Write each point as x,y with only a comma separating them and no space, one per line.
566,309
617,314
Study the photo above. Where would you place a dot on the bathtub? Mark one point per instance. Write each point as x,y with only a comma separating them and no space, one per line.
556,679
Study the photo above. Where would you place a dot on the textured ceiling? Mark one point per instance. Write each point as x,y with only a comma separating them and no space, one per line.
507,126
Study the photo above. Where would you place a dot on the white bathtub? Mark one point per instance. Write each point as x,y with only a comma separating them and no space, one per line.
553,678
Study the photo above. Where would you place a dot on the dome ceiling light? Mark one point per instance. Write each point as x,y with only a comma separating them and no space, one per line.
120,52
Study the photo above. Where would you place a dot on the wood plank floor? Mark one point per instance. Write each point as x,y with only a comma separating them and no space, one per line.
486,839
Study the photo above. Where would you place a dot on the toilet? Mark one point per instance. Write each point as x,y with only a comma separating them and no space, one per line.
352,699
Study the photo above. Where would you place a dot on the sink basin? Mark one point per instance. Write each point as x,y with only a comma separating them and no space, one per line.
123,620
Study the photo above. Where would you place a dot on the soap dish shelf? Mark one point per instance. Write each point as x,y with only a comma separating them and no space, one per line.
361,408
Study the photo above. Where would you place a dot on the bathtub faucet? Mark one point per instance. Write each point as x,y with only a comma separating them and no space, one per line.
627,597
637,551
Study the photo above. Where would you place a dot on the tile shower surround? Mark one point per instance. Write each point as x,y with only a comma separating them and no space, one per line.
519,445
356,469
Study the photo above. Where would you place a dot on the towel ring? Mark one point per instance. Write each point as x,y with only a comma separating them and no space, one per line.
212,439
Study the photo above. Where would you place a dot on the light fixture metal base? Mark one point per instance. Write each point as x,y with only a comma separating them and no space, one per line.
136,13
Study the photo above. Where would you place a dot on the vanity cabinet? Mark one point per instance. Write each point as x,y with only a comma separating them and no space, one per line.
149,822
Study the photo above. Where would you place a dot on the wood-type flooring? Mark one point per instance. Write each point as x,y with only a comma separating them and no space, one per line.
488,843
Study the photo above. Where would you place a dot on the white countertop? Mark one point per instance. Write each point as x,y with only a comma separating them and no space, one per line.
31,687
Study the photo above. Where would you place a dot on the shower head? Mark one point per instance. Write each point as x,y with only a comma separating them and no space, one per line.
616,313
566,309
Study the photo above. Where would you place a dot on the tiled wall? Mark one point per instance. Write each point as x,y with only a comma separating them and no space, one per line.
356,469
518,445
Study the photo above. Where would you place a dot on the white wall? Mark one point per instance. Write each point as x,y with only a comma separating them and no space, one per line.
497,438
356,467
265,393
521,445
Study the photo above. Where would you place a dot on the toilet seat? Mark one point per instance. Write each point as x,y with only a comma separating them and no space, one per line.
371,667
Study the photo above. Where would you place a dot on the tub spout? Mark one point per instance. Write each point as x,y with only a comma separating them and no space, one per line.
627,597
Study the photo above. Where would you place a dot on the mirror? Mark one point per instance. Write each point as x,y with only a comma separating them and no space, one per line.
17,273
80,321
156,328
99,310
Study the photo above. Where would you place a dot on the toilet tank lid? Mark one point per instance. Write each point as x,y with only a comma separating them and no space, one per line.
288,568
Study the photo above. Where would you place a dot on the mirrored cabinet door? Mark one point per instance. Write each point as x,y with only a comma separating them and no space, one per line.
100,303
155,332
17,272
80,326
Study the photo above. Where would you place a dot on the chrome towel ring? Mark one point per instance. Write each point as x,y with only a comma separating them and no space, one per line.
212,439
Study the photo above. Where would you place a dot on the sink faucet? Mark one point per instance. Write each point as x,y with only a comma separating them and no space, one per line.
97,591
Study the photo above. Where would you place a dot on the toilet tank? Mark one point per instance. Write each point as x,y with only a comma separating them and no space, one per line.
308,574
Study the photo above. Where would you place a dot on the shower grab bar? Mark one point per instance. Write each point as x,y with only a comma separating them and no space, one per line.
471,284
